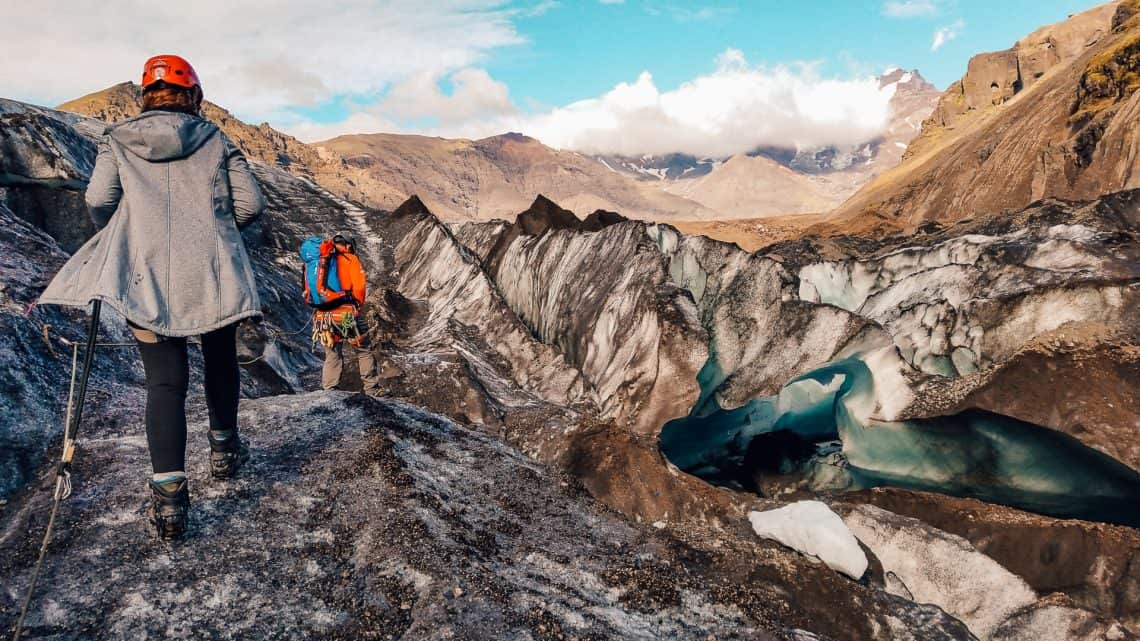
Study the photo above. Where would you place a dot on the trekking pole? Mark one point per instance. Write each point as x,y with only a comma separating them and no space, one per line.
63,470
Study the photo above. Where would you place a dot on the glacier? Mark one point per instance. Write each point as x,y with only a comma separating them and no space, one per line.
975,453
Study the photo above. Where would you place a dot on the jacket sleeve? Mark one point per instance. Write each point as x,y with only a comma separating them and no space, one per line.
104,189
247,198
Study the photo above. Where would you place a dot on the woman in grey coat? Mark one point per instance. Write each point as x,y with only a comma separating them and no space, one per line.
169,192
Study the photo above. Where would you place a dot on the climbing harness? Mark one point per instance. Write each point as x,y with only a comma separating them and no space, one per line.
63,470
330,326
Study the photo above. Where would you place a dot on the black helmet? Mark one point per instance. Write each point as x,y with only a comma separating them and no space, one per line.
341,239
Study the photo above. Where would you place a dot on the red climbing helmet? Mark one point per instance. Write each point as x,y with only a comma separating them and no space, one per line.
173,70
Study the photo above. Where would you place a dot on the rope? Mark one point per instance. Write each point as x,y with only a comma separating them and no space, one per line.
63,470
273,336
39,559
62,491
70,343
329,325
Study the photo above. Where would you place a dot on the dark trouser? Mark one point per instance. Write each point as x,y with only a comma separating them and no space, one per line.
167,378
334,364
334,360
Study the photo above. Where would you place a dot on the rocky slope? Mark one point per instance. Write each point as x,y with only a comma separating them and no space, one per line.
370,520
1054,116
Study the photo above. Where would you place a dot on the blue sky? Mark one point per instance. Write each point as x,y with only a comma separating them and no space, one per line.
570,51
581,49
639,76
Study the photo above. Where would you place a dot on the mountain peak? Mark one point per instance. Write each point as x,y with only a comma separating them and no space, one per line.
113,104
510,136
413,206
910,80
1038,120
545,214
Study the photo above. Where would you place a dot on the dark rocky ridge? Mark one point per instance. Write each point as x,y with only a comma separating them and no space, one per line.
544,215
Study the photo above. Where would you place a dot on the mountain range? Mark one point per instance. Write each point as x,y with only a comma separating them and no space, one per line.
496,177
771,181
1051,116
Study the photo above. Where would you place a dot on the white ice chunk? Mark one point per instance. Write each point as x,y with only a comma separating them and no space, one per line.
812,528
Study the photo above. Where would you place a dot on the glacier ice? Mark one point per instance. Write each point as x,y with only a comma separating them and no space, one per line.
812,528
975,453
941,568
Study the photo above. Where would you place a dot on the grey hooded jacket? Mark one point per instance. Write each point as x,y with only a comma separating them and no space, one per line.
168,192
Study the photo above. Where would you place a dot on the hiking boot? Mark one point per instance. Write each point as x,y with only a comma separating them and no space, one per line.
169,507
227,453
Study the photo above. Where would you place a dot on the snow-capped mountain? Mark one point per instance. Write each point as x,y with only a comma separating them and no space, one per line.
771,181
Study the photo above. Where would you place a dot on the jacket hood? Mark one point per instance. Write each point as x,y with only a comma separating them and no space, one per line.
163,135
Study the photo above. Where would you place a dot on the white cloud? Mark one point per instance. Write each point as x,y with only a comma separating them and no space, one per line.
910,8
263,59
734,109
946,34
731,59
475,95
539,9
685,13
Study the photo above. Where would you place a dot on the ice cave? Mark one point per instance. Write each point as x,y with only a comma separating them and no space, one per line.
816,434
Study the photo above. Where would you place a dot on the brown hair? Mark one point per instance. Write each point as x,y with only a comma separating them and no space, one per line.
162,96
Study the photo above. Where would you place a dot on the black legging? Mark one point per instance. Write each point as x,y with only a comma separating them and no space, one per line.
167,377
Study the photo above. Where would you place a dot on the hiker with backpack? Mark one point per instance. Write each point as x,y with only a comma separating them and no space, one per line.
169,193
336,286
